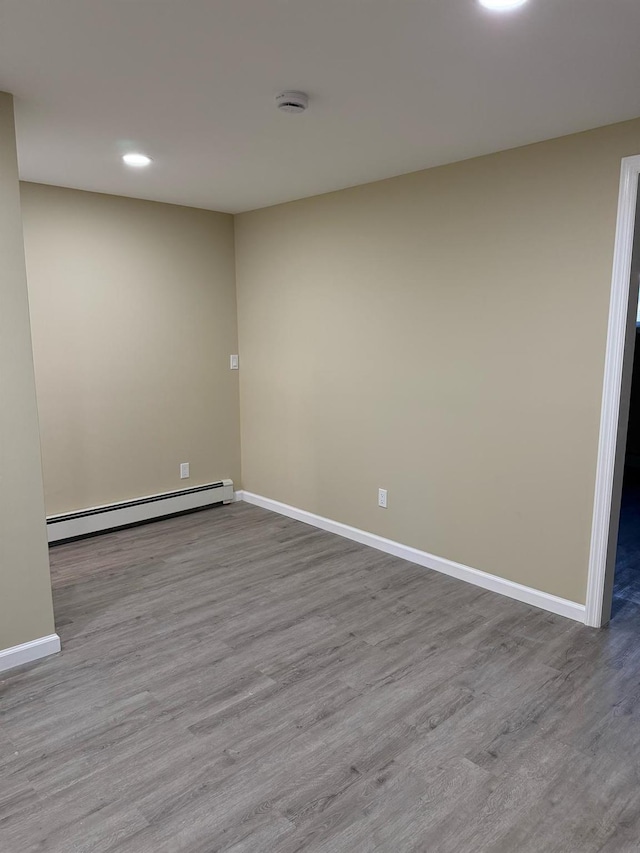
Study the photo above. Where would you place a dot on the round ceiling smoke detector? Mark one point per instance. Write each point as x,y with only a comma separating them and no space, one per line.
292,102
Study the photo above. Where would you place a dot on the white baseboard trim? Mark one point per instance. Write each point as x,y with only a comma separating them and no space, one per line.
110,516
526,594
28,652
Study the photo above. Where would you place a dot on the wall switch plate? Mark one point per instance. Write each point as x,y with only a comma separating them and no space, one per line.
184,470
382,498
234,362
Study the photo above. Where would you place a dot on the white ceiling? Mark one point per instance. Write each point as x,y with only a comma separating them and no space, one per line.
394,86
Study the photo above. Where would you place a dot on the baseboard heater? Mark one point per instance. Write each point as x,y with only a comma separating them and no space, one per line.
98,519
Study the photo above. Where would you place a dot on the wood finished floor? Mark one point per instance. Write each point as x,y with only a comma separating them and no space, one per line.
237,681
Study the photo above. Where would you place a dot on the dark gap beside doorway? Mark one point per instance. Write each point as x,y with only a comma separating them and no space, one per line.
626,590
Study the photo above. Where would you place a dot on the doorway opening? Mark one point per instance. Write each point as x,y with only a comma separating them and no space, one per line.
614,561
626,581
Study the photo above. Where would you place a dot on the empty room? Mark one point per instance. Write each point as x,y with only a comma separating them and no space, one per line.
317,330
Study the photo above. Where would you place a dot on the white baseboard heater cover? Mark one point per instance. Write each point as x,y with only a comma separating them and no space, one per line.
96,519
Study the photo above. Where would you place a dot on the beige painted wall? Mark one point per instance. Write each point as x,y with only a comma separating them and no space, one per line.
133,313
25,587
440,335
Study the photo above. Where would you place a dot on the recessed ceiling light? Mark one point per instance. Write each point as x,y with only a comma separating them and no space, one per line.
134,159
502,5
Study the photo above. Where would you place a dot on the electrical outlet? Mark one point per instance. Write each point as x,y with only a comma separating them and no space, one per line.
184,470
382,498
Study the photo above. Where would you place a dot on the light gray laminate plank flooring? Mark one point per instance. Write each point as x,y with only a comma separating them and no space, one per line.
236,681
